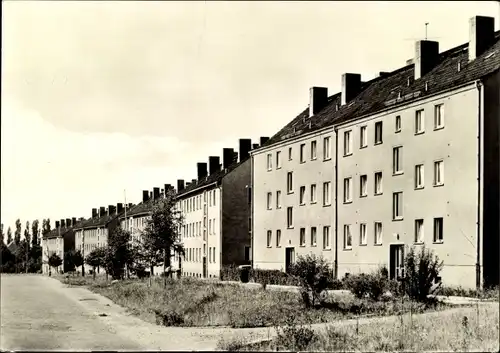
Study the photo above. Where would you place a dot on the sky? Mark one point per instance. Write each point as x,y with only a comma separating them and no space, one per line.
101,100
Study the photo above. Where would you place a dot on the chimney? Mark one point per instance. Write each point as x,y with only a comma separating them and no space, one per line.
213,164
94,212
187,183
73,221
119,208
263,140
351,87
318,99
111,210
255,146
193,181
150,195
130,205
168,189
426,57
145,195
68,222
156,193
180,185
102,211
202,170
227,157
63,223
245,147
57,224
481,35
235,157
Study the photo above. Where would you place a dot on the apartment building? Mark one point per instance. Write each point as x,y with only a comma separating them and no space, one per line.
216,211
393,140
59,240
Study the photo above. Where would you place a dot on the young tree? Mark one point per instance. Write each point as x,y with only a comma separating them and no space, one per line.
35,232
118,254
2,241
17,234
26,244
9,236
96,258
55,261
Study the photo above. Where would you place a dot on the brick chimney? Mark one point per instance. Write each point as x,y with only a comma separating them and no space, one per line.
426,57
263,140
150,195
119,208
68,222
168,188
94,212
351,87
145,195
255,146
213,164
111,210
102,211
227,157
235,157
73,221
57,224
63,223
193,181
202,170
180,185
318,99
156,193
481,35
244,148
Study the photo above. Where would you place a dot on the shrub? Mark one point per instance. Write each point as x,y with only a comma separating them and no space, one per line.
229,273
273,277
373,284
294,337
422,272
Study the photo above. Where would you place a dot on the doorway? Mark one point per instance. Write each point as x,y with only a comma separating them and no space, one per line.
289,258
396,261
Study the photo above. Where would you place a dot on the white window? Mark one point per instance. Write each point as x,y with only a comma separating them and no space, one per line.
347,190
362,234
438,230
214,198
269,238
269,161
278,159
209,254
347,236
289,153
269,200
278,199
213,226
419,176
302,153
326,148
397,205
302,195
378,183
326,237
289,217
378,132
438,173
419,121
302,237
438,116
289,182
347,143
397,160
419,231
378,233
363,185
213,256
313,193
326,194
278,238
209,226
398,124
313,150
363,137
313,236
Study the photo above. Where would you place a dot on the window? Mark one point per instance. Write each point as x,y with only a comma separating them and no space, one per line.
378,233
438,116
269,161
326,194
398,124
347,190
313,236
213,256
326,237
269,238
278,199
419,231
269,200
278,238
289,217
419,121
214,198
326,148
302,237
438,173
303,153
378,132
302,195
419,176
363,137
363,186
289,182
347,143
213,226
397,160
249,195
314,150
247,253
249,224
397,205
289,153
278,159
209,226
378,183
347,236
362,234
438,230
313,193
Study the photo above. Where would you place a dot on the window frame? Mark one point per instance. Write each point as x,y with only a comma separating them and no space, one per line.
347,236
397,124
397,206
363,177
381,137
269,238
327,201
313,198
314,237
376,239
347,143
289,217
419,225
363,236
289,183
347,196
439,107
419,118
302,195
314,150
278,238
302,153
375,183
278,199
438,162
269,200
302,237
326,235
421,175
278,159
327,148
435,240
363,136
397,162
269,164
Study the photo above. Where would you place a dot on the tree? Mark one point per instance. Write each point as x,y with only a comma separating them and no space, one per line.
45,226
96,258
2,241
9,236
117,254
27,244
17,234
35,232
55,260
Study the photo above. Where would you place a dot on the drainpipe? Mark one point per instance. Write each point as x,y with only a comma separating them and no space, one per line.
336,263
480,92
252,209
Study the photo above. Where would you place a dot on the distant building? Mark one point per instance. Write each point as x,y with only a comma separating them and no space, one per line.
59,240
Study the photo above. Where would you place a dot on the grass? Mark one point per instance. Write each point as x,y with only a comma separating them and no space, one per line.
193,302
465,329
485,294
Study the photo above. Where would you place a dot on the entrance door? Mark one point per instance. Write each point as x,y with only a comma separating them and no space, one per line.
289,258
396,261
205,267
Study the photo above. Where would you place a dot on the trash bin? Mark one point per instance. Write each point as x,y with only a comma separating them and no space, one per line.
244,273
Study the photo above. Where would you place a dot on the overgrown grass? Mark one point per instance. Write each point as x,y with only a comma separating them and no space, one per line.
486,294
466,329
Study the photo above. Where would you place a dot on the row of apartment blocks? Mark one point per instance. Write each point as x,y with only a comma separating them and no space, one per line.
358,176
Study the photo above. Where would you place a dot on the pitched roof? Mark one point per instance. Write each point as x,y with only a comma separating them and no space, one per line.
54,233
392,89
96,222
139,209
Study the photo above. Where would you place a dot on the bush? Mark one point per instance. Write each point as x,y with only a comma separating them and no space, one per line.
229,273
422,273
273,277
294,337
373,284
